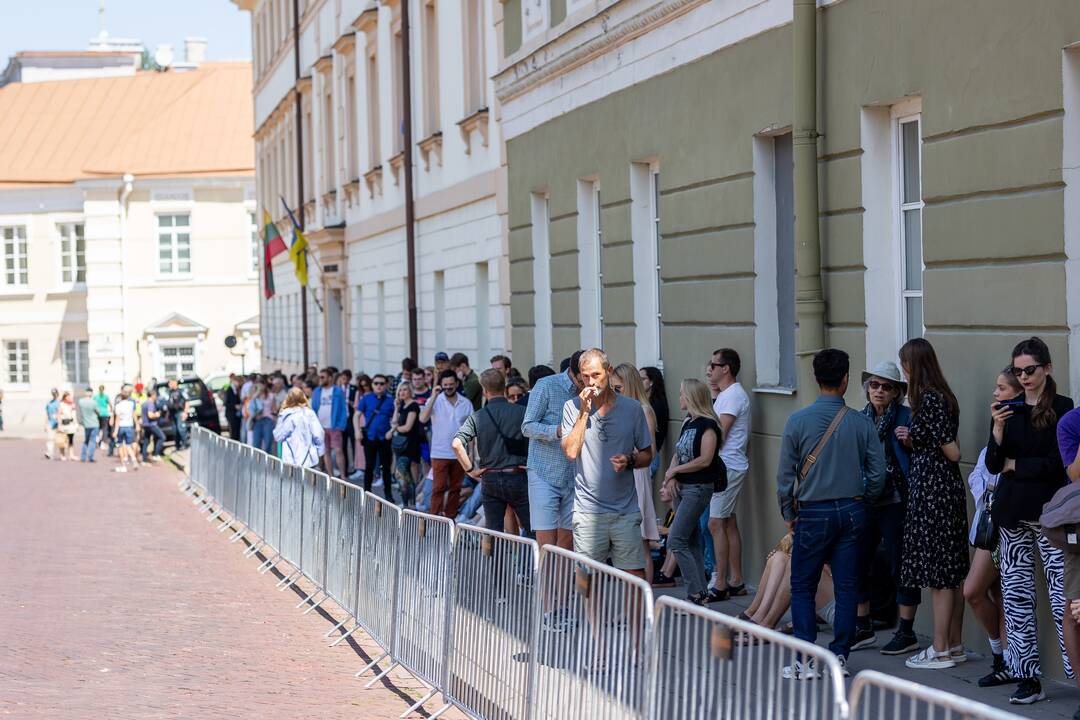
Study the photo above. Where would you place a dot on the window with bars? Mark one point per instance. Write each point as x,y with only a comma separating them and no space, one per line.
72,253
174,244
256,241
76,361
909,151
177,361
15,266
17,353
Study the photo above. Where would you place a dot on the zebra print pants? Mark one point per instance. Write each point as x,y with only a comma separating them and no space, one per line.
1018,596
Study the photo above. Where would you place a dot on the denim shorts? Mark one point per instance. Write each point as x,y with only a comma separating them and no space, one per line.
600,536
551,507
125,435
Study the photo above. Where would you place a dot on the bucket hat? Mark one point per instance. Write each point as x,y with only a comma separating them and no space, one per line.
887,371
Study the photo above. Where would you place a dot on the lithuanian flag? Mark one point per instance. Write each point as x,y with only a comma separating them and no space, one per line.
273,244
298,248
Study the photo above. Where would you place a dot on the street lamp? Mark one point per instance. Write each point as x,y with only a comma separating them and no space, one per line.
230,342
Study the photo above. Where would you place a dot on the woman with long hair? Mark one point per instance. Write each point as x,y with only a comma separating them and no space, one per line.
1023,447
653,381
66,423
695,473
404,436
627,381
935,524
982,587
299,431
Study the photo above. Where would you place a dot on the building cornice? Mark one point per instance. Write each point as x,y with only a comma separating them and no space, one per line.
366,20
345,44
548,57
324,63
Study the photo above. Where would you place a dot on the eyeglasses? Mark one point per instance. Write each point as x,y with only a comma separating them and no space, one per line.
378,383
887,387
515,396
714,365
1029,370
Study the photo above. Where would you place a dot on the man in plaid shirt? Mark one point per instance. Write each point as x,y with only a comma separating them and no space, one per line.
551,473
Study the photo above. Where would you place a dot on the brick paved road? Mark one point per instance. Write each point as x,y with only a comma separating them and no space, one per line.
120,601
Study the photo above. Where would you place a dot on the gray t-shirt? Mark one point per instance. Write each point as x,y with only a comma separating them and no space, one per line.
599,489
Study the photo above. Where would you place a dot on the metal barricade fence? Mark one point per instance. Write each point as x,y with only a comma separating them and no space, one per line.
424,571
292,518
256,496
708,665
273,479
376,596
591,651
490,634
876,695
313,531
345,503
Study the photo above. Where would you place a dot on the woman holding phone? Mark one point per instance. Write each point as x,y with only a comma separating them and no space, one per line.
982,587
1023,447
935,524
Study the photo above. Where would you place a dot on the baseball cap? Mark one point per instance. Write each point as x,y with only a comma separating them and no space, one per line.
441,357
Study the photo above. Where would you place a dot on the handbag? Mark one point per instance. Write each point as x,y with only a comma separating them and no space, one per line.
986,530
1060,519
399,442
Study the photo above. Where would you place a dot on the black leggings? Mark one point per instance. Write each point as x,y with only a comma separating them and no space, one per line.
380,449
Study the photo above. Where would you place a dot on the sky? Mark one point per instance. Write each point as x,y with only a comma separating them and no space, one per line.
70,24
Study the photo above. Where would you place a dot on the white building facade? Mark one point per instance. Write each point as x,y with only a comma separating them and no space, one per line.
132,257
351,90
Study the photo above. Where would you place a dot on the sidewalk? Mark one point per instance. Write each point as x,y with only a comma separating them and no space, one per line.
1062,699
121,601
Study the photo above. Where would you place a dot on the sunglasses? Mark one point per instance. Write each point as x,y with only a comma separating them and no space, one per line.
887,387
714,365
1029,370
378,383
515,396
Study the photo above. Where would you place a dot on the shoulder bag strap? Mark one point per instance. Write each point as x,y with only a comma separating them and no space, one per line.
808,463
497,428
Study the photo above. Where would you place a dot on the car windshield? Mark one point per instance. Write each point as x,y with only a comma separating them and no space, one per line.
190,389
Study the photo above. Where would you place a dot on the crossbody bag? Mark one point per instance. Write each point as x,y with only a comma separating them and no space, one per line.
812,458
514,446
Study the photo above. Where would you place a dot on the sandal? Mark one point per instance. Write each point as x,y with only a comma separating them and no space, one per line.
736,590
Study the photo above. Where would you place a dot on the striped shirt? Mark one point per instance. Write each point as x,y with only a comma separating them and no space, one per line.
543,416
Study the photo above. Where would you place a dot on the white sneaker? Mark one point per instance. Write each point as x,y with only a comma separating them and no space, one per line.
122,468
843,666
801,670
930,659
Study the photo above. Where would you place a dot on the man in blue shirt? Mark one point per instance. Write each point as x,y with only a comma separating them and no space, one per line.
333,415
822,481
51,408
377,407
551,473
150,414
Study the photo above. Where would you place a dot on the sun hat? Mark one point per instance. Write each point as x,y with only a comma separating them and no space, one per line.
887,371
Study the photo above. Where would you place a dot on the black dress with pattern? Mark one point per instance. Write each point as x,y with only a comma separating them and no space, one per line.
935,527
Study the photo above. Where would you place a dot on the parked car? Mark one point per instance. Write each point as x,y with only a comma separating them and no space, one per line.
202,406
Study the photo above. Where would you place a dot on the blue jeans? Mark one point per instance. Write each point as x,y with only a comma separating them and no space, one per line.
885,524
263,434
89,444
685,539
827,532
468,510
423,495
181,432
705,537
159,441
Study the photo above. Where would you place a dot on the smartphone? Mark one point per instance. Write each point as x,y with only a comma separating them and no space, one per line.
1014,403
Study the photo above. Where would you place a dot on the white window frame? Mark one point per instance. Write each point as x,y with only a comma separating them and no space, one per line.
18,241
475,60
17,369
590,264
69,259
644,233
902,114
256,241
177,346
657,236
81,374
174,270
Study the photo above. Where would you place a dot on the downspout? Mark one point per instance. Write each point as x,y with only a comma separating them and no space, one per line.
407,168
125,192
809,301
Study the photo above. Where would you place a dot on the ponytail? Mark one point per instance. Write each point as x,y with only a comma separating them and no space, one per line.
1043,416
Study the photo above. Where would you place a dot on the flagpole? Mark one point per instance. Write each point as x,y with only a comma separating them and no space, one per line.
300,172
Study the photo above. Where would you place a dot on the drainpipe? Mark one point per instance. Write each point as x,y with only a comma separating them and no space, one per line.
125,192
809,301
407,168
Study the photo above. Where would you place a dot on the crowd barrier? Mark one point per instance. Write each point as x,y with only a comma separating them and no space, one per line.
503,630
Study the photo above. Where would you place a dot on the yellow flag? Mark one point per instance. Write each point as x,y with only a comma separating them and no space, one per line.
298,253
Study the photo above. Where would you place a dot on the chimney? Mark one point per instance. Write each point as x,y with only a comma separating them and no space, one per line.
194,50
163,56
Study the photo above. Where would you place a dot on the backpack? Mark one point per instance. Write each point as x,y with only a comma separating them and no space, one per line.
1060,519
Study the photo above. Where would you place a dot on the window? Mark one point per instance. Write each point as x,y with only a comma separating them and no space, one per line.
541,271
174,244
72,253
18,361
177,361
475,67
15,271
76,362
590,264
482,284
646,238
774,261
352,150
398,90
328,138
430,49
255,242
374,154
309,160
909,152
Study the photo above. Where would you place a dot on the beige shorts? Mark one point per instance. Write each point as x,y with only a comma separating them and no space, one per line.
600,536
1072,576
723,503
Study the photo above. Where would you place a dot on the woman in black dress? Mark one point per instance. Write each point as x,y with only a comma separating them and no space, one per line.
935,525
